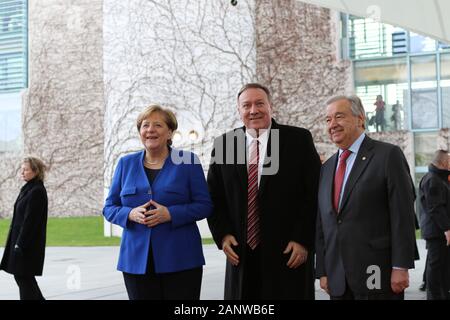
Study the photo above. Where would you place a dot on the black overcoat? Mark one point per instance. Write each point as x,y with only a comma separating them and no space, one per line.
27,231
287,201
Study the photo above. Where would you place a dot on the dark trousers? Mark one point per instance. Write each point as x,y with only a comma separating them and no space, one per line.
438,270
424,276
350,295
28,288
182,285
252,281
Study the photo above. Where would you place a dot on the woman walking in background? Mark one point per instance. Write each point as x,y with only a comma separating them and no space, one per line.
25,247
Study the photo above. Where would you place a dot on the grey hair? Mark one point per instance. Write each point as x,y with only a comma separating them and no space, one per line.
356,105
440,157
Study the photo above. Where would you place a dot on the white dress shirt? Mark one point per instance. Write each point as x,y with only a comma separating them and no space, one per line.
354,148
262,146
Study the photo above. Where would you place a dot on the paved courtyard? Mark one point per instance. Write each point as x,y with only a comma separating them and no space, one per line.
89,273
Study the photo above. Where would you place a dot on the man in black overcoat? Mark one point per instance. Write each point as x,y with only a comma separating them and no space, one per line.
276,260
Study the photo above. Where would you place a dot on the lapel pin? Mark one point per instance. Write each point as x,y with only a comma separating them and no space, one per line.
364,158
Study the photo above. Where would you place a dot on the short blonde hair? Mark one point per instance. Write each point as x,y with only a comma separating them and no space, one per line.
37,166
168,116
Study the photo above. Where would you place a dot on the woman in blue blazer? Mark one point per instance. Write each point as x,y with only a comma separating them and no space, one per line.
156,196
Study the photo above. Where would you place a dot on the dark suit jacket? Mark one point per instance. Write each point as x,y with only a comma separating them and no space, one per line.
287,202
434,192
28,231
376,224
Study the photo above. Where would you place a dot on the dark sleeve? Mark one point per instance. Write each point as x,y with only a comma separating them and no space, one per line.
416,221
35,216
401,209
320,249
436,202
218,222
304,224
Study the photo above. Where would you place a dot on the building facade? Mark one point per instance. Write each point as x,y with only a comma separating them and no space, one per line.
93,65
60,110
411,73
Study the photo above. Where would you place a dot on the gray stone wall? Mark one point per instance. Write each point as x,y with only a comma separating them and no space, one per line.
444,140
9,182
189,55
298,59
95,64
63,107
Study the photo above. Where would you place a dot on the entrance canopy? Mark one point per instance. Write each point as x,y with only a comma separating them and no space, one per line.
426,17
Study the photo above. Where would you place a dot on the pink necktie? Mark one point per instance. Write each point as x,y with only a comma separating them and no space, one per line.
339,178
253,238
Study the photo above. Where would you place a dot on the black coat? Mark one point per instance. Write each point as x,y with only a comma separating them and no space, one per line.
375,226
28,231
287,202
434,192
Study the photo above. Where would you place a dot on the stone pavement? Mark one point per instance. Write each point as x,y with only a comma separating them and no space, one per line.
89,273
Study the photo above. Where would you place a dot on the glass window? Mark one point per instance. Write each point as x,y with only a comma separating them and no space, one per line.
369,38
387,80
419,43
425,144
424,99
443,46
399,41
13,70
13,45
10,122
445,89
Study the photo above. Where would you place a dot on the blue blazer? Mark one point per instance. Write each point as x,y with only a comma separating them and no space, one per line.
181,187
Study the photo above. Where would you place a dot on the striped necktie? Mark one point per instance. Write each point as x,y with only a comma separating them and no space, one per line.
253,237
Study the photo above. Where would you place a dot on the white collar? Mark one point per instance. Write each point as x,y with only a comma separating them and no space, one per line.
354,148
263,136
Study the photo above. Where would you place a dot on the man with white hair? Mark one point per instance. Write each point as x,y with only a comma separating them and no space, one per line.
365,237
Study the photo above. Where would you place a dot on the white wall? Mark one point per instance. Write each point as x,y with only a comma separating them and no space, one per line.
189,55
